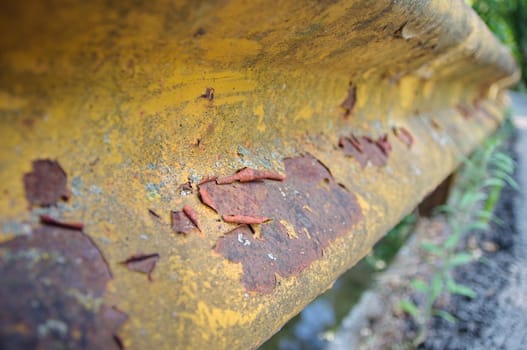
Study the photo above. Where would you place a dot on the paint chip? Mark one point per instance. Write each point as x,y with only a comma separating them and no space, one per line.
249,175
48,220
366,150
245,219
350,100
404,136
144,263
52,292
185,221
209,94
46,184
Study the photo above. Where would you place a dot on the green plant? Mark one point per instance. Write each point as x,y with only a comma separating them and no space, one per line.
470,207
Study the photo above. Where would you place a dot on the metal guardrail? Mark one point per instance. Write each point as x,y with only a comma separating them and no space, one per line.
191,174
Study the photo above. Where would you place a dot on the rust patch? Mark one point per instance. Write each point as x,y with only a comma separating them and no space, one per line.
199,32
404,136
205,196
154,214
465,111
144,263
245,219
384,144
308,211
435,124
46,184
185,221
350,100
51,295
208,94
249,174
364,149
48,220
207,179
192,215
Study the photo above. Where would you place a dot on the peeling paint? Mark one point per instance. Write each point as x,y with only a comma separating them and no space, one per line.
366,150
350,100
404,136
144,263
37,310
249,175
48,220
333,212
46,184
185,221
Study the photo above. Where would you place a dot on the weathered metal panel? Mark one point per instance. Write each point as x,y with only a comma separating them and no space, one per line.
345,114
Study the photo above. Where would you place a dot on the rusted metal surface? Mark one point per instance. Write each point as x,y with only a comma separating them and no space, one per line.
365,150
46,183
303,215
52,293
144,263
282,141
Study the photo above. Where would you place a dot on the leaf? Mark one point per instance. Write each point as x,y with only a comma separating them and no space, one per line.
459,259
503,162
476,225
470,198
498,221
444,209
460,289
483,214
494,182
437,286
508,179
410,308
432,248
447,316
419,285
452,241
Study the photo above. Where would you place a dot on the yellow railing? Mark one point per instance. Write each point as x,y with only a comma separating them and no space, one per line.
344,114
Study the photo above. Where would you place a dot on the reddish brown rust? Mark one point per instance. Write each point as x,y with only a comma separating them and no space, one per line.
185,221
118,341
48,220
199,32
205,197
249,174
245,219
308,205
45,276
154,214
435,124
144,263
464,110
209,94
384,144
207,179
350,100
356,143
192,215
46,184
364,149
404,136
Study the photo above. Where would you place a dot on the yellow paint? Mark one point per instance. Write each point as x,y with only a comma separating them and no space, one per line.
290,229
112,91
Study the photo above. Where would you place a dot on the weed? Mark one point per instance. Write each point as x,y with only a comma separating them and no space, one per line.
470,207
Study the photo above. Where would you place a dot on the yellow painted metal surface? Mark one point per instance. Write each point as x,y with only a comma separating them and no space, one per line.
112,92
